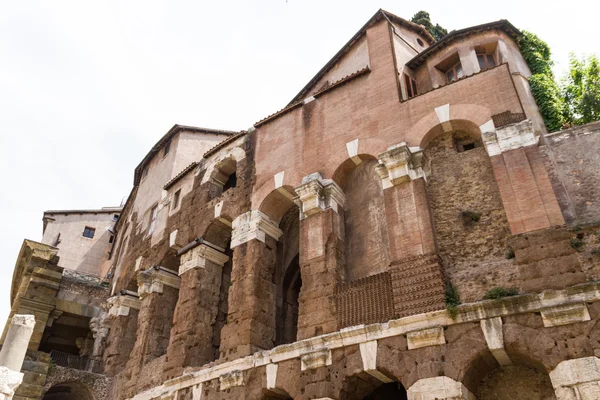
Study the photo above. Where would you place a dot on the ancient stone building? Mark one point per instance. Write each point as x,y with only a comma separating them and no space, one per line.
405,228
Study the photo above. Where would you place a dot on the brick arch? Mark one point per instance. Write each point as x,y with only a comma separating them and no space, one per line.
467,117
218,232
69,390
344,169
277,203
224,164
368,147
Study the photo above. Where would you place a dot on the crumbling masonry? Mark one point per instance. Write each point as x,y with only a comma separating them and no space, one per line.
405,228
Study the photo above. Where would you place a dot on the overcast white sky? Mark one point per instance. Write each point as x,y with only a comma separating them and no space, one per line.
87,88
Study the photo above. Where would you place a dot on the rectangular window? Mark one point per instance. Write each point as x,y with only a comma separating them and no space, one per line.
167,148
411,86
486,61
111,239
88,232
116,217
454,73
153,215
175,201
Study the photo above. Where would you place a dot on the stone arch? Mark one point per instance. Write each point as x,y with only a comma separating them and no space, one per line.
223,166
365,222
277,203
450,116
525,375
365,387
68,391
218,233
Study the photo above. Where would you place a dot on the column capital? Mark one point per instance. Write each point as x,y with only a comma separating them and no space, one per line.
253,225
510,137
154,280
121,304
316,194
400,163
199,255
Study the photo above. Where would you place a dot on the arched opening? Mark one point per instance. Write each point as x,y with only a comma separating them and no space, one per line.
365,224
516,382
68,391
170,261
365,387
471,226
218,234
388,391
287,278
224,174
69,341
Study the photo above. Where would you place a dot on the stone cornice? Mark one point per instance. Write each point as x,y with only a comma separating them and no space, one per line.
317,194
198,256
154,280
121,304
399,164
473,312
253,225
510,137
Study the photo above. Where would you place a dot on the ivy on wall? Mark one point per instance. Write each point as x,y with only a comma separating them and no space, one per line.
543,85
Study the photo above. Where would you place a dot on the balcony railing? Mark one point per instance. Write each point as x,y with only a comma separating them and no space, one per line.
69,360
88,278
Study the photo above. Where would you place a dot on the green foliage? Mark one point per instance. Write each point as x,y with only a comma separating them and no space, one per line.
581,90
576,100
547,96
500,292
536,53
452,300
577,243
422,18
543,86
510,254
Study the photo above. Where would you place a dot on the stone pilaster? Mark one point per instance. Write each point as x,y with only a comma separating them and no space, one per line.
577,379
410,228
122,324
158,291
321,203
525,188
251,304
192,341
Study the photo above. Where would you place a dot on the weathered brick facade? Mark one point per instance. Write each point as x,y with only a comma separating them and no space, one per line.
342,248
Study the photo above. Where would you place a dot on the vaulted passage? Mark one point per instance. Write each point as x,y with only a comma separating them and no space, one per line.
68,391
388,391
287,279
516,382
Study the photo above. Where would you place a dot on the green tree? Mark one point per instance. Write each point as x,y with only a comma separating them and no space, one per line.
580,89
422,18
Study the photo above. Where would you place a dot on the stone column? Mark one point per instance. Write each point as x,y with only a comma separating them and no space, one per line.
417,279
252,308
13,353
577,379
525,188
122,324
192,342
439,388
321,253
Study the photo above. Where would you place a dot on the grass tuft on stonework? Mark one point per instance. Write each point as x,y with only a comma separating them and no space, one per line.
500,292
452,300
